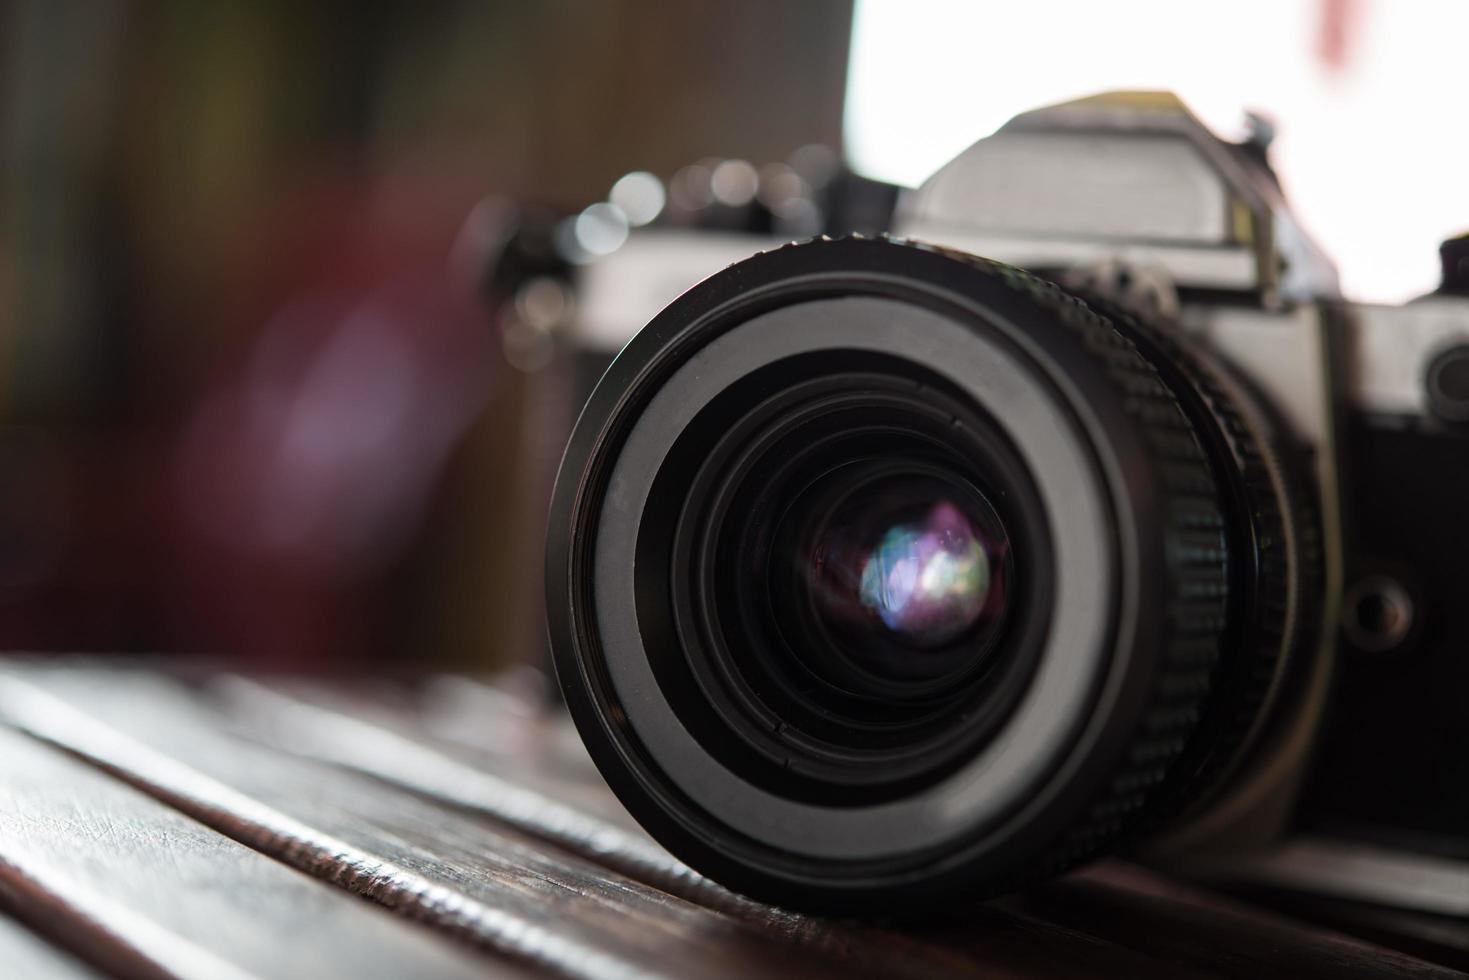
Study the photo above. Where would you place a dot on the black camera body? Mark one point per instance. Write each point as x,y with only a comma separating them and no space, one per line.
881,574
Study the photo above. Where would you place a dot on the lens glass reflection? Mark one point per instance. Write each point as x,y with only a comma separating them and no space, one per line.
907,573
928,581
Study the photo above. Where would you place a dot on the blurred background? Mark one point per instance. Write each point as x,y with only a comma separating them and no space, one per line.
290,333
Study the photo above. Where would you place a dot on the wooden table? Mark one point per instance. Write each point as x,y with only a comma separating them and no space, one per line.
156,825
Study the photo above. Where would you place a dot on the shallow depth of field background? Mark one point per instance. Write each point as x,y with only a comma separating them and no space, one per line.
253,399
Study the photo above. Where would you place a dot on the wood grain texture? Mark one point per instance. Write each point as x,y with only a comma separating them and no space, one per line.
370,739
25,955
440,867
141,890
481,822
1189,930
1191,927
1437,938
463,875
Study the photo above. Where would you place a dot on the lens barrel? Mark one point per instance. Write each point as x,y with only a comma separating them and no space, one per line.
881,574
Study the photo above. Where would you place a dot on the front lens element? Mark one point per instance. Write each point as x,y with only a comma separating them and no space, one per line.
928,580
906,573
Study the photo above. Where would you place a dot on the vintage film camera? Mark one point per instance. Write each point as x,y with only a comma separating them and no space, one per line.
880,574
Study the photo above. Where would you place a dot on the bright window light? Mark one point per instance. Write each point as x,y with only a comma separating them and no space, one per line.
1372,146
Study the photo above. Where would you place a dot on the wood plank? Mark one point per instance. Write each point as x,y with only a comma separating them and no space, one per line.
493,865
575,818
1439,939
27,956
1190,926
1352,870
441,867
365,738
455,710
1415,902
469,844
492,728
321,720
141,890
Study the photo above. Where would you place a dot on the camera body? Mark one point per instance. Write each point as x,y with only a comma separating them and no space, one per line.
1129,194
1348,427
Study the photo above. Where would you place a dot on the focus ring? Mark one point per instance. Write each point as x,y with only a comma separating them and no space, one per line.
1274,581
1196,583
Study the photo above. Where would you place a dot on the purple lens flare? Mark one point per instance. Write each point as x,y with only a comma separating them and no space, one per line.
928,581
909,563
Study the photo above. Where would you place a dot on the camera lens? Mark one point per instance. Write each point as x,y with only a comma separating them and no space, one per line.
880,575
